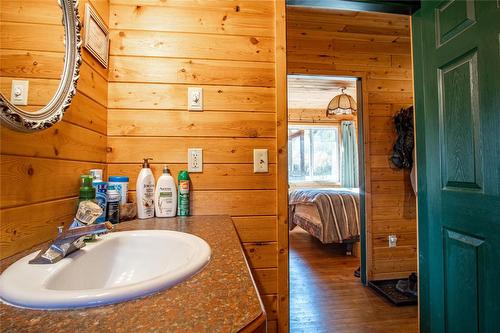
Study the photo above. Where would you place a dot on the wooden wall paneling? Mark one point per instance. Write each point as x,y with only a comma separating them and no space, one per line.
330,42
40,171
228,49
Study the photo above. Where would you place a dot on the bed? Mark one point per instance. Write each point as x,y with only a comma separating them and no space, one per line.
331,215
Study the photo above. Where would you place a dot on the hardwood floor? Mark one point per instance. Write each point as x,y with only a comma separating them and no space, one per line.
326,297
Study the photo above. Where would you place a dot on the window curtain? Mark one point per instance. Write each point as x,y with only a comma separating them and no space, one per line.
349,174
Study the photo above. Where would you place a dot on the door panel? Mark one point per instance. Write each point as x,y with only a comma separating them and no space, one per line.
457,89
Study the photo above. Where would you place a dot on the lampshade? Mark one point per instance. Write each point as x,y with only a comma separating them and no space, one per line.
341,104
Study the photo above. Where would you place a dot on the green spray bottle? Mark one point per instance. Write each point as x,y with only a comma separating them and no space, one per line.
183,193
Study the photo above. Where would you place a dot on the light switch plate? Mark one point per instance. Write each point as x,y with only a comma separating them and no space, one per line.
19,92
195,99
195,160
260,160
393,240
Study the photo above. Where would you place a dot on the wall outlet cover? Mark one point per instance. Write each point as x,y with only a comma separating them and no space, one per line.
195,99
260,160
19,92
195,160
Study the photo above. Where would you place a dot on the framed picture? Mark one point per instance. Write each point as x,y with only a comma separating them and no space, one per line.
96,39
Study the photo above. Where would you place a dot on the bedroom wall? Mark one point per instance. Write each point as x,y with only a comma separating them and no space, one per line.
377,47
158,50
40,171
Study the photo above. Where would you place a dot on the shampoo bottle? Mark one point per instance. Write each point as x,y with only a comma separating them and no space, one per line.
165,195
145,190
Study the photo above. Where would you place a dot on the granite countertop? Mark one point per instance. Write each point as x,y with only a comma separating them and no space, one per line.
220,298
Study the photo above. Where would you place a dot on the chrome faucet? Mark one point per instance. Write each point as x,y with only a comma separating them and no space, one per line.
73,239
68,242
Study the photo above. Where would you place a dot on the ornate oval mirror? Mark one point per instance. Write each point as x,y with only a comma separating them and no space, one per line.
34,96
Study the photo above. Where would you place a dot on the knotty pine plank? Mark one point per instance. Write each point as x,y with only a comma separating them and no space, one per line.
266,280
191,71
394,226
87,113
262,254
173,150
33,11
197,46
230,202
174,96
271,305
25,226
40,90
20,36
234,203
235,20
93,84
62,141
25,180
190,124
213,177
31,64
256,228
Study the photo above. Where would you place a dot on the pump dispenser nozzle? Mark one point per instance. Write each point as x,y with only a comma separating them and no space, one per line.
166,170
145,164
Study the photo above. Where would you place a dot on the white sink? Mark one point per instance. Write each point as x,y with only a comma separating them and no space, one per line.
118,267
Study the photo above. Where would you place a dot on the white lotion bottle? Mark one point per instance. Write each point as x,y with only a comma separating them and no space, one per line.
145,190
166,195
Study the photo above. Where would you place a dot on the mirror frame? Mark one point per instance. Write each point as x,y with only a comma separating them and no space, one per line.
20,120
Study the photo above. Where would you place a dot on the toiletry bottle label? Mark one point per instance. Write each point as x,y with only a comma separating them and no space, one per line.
165,200
148,199
183,198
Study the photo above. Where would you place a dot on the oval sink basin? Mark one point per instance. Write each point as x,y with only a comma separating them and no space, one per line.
118,267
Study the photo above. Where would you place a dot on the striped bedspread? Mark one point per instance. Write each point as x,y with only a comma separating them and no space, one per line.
338,211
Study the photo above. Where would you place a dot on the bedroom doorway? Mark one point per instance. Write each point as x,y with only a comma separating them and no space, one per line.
326,192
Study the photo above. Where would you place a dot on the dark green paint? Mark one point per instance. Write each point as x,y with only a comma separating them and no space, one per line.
362,181
457,103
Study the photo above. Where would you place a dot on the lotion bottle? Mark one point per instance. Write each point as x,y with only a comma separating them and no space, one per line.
165,195
145,190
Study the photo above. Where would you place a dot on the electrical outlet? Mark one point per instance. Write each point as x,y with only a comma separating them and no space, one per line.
19,93
195,99
195,160
260,160
393,240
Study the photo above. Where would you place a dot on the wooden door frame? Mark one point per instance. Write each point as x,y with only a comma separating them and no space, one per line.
281,100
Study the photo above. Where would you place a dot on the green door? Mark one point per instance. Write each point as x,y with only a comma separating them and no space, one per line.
457,100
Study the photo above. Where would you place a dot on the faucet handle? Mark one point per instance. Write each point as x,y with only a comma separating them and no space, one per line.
60,229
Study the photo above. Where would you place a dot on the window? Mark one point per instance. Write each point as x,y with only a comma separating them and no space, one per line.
313,154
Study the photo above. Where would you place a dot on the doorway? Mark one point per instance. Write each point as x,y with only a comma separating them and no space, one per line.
341,43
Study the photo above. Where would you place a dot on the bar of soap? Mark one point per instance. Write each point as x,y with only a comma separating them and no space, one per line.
128,211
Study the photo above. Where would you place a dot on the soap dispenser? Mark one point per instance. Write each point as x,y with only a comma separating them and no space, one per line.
145,190
165,195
